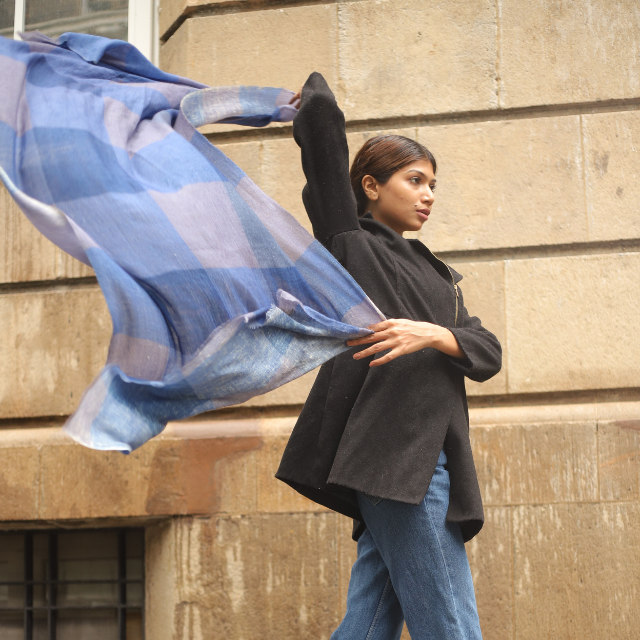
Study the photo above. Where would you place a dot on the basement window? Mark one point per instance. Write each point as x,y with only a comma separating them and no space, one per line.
72,585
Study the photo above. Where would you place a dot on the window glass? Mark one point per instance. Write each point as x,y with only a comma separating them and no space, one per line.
107,18
7,12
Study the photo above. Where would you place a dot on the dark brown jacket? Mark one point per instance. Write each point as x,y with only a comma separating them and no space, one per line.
380,430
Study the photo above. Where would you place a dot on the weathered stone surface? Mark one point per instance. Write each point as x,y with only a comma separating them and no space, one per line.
564,318
160,580
385,45
247,155
19,481
536,463
25,254
483,291
81,483
275,47
256,576
619,459
506,183
283,178
559,52
52,345
491,559
292,393
275,496
576,571
347,554
611,142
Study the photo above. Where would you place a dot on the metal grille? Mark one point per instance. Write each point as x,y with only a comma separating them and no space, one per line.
71,580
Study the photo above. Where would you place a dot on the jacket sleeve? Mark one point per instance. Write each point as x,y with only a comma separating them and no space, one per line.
319,130
482,350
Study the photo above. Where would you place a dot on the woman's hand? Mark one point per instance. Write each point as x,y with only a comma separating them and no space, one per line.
405,336
295,99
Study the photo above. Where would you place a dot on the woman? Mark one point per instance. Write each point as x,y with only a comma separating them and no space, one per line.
384,435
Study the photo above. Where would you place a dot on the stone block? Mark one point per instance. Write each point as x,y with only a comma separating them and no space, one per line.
53,343
483,291
491,559
254,577
275,496
611,142
283,178
247,155
54,478
562,52
536,463
203,475
576,571
161,588
19,480
292,393
79,483
571,323
394,61
506,183
347,554
274,47
25,254
619,459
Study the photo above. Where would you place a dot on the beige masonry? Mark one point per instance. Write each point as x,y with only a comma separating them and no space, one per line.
385,45
52,345
284,43
25,254
612,163
562,52
507,183
580,316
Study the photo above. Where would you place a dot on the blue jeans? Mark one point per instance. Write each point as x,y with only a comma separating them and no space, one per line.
412,565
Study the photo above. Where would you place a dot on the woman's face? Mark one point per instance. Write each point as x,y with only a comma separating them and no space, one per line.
404,202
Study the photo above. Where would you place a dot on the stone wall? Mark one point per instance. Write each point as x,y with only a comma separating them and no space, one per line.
531,108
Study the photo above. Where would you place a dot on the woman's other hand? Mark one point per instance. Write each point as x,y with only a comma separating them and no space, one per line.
405,336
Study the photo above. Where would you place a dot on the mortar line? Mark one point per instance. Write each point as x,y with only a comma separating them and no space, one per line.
236,6
498,64
506,325
513,572
48,285
542,251
584,177
598,458
438,119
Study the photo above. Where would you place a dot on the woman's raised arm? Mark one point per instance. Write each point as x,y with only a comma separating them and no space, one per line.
319,130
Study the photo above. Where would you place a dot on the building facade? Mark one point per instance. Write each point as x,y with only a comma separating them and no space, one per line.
531,108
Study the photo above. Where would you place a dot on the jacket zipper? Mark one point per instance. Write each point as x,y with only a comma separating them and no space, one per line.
455,287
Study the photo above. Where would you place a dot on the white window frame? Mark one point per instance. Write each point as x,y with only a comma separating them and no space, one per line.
142,25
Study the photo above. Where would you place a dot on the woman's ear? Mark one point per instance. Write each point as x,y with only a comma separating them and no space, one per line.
370,187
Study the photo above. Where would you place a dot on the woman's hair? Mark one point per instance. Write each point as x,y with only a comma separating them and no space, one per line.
381,157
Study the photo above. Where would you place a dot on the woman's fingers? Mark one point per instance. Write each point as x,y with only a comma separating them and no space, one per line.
387,357
372,337
380,326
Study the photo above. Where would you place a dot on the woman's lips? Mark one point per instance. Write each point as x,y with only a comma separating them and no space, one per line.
424,213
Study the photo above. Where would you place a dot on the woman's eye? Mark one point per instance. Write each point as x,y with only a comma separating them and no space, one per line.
415,180
433,187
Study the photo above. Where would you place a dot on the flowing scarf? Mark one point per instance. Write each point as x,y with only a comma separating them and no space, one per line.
216,293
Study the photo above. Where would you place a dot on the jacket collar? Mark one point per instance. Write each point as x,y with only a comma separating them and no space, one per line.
393,238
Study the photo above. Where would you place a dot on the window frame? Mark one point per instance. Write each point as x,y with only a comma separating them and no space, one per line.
143,25
53,582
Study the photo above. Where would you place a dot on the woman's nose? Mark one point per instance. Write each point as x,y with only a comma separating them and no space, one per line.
428,196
